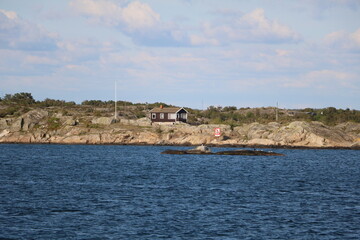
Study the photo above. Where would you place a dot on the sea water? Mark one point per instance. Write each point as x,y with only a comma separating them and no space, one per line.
135,192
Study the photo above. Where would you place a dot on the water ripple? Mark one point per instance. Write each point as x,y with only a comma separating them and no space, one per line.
128,192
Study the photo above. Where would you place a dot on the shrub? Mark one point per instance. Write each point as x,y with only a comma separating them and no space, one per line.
53,123
19,98
8,111
158,130
97,114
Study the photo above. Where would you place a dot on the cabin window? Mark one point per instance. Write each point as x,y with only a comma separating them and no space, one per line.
161,116
153,115
183,115
172,116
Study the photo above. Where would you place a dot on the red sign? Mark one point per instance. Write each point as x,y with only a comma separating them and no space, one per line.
217,132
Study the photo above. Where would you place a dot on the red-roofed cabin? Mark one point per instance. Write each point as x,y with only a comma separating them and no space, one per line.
168,115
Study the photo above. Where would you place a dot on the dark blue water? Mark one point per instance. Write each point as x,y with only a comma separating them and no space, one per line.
133,192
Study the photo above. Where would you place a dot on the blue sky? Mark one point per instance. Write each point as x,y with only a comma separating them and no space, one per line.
184,52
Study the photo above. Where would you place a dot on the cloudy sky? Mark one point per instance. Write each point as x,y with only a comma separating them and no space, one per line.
192,53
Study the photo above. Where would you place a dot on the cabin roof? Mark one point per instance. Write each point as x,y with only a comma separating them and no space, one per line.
167,109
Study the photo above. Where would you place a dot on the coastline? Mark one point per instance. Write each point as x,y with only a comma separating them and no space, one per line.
242,146
41,127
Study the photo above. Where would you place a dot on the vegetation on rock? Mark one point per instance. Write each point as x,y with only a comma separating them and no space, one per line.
13,105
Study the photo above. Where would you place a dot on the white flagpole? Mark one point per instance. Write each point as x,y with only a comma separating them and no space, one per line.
115,103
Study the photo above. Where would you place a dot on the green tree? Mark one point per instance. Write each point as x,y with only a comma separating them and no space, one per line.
19,98
229,109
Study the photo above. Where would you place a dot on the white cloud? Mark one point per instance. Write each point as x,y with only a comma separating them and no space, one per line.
202,40
16,33
323,79
344,40
355,37
137,16
282,52
26,63
103,10
252,27
137,20
9,14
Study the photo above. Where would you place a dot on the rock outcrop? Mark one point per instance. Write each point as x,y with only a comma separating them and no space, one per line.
39,126
26,121
103,120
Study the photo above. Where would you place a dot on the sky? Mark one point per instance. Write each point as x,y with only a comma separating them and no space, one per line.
190,53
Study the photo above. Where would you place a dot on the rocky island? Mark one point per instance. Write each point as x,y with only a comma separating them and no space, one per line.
89,125
40,126
204,150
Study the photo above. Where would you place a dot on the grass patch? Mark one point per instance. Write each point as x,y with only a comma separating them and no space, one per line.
93,125
53,123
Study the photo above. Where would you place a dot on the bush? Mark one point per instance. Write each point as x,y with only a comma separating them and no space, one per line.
53,123
229,109
19,98
140,114
158,130
9,111
97,113
52,103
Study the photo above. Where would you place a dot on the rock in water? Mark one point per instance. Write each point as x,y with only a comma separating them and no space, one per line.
202,148
236,152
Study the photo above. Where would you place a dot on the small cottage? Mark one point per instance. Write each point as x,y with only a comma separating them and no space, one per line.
168,115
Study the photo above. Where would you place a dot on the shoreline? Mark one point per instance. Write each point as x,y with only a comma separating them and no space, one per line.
193,145
44,127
